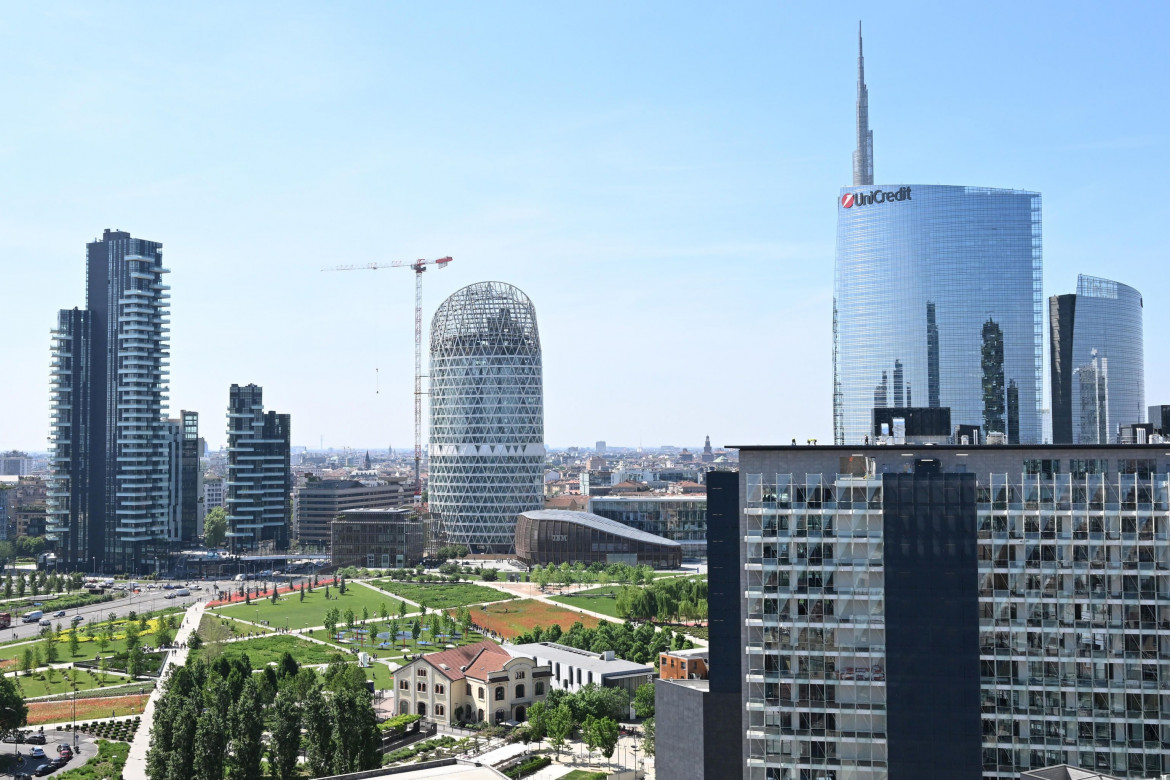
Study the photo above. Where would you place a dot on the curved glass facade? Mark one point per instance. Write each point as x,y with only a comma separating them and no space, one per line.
938,303
487,415
1108,383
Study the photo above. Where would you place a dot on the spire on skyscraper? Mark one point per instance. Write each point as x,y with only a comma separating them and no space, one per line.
863,155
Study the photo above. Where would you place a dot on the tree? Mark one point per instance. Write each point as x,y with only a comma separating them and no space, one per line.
341,585
302,591
26,661
648,739
559,725
365,614
383,610
605,735
415,630
50,651
245,728
589,734
286,737
489,575
13,711
215,527
8,587
401,609
350,618
537,721
355,737
273,594
644,701
74,643
163,637
318,733
287,666
330,622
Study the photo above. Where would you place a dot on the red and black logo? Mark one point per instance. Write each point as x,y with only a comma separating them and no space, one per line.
851,199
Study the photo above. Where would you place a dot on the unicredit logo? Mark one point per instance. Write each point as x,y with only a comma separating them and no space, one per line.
851,199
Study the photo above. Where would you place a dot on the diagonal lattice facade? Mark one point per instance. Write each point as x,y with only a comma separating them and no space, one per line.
487,415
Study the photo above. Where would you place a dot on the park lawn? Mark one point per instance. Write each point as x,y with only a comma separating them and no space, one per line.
397,652
581,774
39,684
606,605
264,650
40,712
381,675
297,614
109,762
512,618
88,649
442,595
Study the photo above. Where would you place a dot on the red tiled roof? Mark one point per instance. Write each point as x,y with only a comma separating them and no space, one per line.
486,656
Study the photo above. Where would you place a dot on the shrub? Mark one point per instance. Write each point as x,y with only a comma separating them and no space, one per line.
529,767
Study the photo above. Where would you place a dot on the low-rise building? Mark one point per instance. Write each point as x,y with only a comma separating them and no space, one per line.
572,669
557,536
474,683
320,502
682,519
683,664
377,538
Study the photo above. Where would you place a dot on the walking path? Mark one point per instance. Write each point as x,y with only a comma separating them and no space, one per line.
136,762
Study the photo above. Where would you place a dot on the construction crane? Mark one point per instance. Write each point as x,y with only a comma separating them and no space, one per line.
419,267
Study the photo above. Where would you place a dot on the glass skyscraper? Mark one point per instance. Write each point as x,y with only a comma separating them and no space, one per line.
937,303
1098,369
487,415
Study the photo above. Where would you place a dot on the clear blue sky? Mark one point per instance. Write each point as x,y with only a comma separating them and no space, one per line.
659,178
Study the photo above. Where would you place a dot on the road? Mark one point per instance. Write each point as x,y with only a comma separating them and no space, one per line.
148,600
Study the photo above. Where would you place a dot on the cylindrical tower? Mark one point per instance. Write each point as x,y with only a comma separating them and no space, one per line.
487,415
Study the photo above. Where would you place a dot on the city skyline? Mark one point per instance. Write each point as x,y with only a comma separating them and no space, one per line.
670,175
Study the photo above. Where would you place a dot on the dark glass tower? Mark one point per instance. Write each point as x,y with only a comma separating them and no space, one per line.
110,488
259,473
1097,363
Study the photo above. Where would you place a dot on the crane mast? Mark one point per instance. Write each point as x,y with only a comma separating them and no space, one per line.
419,267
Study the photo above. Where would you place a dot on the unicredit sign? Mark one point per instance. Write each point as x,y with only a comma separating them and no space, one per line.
851,199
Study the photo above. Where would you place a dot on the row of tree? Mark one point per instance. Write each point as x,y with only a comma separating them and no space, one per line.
638,643
666,600
40,582
568,573
211,719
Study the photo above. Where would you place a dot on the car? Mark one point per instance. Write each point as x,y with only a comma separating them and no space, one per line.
35,739
61,760
46,622
59,613
37,752
64,748
77,618
277,573
169,596
16,736
45,769
168,586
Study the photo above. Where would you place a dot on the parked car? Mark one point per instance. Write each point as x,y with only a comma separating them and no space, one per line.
37,752
45,769
16,736
169,596
65,749
61,761
35,739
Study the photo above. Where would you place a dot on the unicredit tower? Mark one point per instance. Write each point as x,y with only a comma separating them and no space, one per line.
938,305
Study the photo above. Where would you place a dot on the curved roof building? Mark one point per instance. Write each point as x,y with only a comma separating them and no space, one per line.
487,415
546,536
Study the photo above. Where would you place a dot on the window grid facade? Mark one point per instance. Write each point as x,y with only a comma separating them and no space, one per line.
1074,626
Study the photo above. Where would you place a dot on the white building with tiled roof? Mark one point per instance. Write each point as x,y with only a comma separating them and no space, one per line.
476,682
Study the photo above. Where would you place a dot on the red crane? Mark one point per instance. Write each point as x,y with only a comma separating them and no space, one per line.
419,267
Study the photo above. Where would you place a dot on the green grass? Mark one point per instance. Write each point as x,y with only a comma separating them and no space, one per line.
269,649
442,595
604,606
39,684
398,652
311,611
581,774
109,761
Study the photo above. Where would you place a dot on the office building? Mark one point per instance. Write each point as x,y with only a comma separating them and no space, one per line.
680,518
15,464
988,609
259,477
599,448
212,493
557,536
185,477
1096,361
377,538
8,496
109,497
572,668
487,415
699,716
930,282
320,502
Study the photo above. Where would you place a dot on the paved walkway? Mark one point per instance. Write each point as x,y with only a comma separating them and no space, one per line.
136,763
